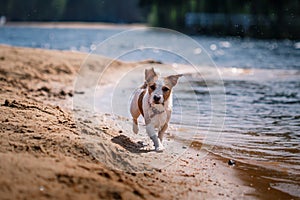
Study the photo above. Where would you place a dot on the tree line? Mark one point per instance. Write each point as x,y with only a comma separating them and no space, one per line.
271,19
72,10
283,16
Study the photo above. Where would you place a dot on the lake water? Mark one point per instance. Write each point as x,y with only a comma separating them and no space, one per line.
262,87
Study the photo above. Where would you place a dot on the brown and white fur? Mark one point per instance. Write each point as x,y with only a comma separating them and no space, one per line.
154,101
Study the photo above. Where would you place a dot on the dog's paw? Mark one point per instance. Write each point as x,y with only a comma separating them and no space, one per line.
160,149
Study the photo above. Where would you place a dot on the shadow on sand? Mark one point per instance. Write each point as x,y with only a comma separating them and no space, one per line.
126,143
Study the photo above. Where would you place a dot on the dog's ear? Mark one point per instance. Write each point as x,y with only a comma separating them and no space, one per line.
150,75
172,80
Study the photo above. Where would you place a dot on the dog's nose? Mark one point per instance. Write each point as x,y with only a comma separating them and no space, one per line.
156,98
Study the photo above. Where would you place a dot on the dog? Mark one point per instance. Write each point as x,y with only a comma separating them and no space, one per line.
153,101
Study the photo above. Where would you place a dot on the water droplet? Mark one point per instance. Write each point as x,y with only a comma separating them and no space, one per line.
213,47
93,47
225,44
297,45
197,51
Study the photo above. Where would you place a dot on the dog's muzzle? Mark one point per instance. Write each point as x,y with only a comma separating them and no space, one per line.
157,99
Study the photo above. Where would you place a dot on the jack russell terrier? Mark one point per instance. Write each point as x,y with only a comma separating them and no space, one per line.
154,101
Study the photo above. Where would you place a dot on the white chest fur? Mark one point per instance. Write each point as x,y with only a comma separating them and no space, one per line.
156,114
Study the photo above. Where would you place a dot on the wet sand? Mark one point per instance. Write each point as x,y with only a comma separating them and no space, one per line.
44,156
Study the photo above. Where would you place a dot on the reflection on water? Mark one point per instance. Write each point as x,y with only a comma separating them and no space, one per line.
262,82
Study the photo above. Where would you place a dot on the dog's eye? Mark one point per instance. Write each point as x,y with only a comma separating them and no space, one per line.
153,87
165,89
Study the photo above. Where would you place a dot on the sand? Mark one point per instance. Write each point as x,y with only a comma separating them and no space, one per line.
89,25
44,155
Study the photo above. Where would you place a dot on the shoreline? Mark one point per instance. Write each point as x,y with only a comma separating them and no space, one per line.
77,25
41,135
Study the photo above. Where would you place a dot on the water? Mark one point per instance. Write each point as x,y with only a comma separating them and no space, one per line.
58,38
262,82
262,125
225,52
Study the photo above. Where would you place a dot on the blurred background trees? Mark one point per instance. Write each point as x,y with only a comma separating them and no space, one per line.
115,11
256,18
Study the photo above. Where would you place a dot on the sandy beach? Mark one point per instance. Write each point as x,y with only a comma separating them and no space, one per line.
80,25
44,156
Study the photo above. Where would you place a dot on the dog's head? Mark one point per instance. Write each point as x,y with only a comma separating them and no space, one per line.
159,88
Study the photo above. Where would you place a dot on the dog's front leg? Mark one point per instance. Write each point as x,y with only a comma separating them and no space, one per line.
151,133
162,132
165,126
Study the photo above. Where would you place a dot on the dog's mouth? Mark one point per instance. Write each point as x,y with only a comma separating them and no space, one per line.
158,102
